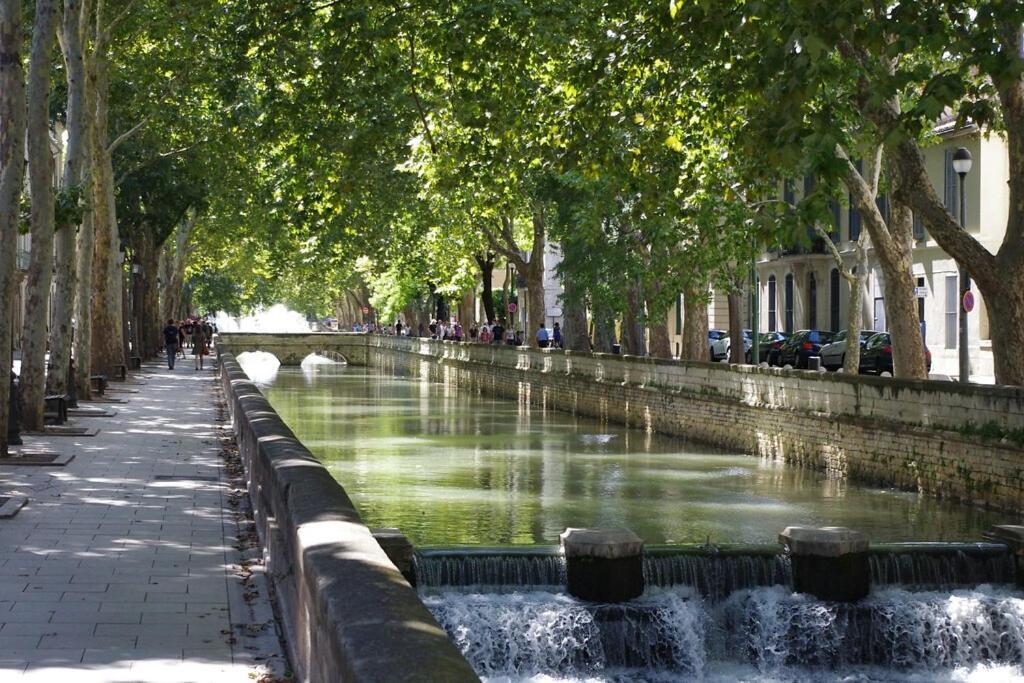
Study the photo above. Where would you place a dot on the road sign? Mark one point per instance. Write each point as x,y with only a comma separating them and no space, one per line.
920,292
968,301
512,307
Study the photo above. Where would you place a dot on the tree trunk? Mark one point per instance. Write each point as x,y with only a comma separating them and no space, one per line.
661,343
695,325
604,329
487,279
892,242
107,349
633,341
575,336
63,305
149,323
40,271
176,255
855,315
897,264
82,347
12,176
736,344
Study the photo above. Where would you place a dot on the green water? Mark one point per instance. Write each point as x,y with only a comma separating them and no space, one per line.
450,467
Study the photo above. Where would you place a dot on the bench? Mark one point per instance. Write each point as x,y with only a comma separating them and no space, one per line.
57,407
98,383
120,373
136,362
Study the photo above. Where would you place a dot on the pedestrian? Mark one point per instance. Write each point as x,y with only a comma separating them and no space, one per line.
457,331
485,334
398,328
542,337
181,338
556,336
474,333
171,343
198,345
498,333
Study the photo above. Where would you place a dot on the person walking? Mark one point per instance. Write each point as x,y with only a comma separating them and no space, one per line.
556,336
171,343
198,345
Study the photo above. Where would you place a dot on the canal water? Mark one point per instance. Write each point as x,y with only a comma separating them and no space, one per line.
453,468
457,469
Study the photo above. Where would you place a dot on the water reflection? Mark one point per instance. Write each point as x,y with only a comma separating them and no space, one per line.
448,467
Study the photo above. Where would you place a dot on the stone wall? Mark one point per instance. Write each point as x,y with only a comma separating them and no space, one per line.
915,435
348,613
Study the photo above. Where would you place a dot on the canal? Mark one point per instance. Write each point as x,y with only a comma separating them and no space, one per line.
450,467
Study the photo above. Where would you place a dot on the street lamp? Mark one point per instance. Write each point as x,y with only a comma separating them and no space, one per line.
962,166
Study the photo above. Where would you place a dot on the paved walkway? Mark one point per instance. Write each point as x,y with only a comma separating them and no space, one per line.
132,562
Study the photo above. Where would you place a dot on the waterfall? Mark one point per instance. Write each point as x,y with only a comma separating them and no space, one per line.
715,576
543,568
760,634
716,573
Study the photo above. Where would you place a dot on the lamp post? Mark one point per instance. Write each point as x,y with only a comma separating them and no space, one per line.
962,166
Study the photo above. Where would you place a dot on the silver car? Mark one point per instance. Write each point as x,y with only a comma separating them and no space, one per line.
721,347
833,355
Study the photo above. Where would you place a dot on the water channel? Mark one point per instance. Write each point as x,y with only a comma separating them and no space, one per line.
454,468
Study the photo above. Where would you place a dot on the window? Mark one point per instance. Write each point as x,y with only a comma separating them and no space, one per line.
771,303
679,314
920,309
833,286
952,299
788,193
882,202
789,302
812,302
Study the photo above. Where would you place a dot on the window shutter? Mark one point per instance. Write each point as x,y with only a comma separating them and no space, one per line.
950,194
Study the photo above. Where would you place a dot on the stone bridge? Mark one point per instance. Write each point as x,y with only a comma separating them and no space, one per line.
291,347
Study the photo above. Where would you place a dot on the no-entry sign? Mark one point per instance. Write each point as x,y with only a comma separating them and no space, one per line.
512,307
968,301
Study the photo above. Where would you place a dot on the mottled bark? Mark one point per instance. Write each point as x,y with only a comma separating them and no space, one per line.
40,271
856,277
63,306
736,347
893,243
633,334
486,264
174,260
695,325
12,176
107,349
82,346
575,336
604,329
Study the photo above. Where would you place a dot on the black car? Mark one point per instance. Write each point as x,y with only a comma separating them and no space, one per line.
768,342
876,356
800,347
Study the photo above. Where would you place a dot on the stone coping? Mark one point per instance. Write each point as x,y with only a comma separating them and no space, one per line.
347,611
609,544
828,541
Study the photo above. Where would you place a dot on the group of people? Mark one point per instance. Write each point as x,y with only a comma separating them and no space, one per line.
491,332
194,333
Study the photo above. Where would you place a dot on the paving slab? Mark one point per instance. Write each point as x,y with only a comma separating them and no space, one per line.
122,563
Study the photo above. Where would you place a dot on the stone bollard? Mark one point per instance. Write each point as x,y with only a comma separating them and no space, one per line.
603,565
1012,535
830,563
398,549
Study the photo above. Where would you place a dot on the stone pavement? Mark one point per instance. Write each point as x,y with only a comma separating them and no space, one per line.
133,562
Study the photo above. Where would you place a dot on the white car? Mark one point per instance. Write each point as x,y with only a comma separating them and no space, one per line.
833,355
721,347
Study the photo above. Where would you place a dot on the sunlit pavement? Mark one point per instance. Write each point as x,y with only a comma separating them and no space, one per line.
123,566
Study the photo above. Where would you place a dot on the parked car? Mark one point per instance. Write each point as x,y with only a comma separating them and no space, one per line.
768,343
722,347
833,354
876,357
803,345
713,336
